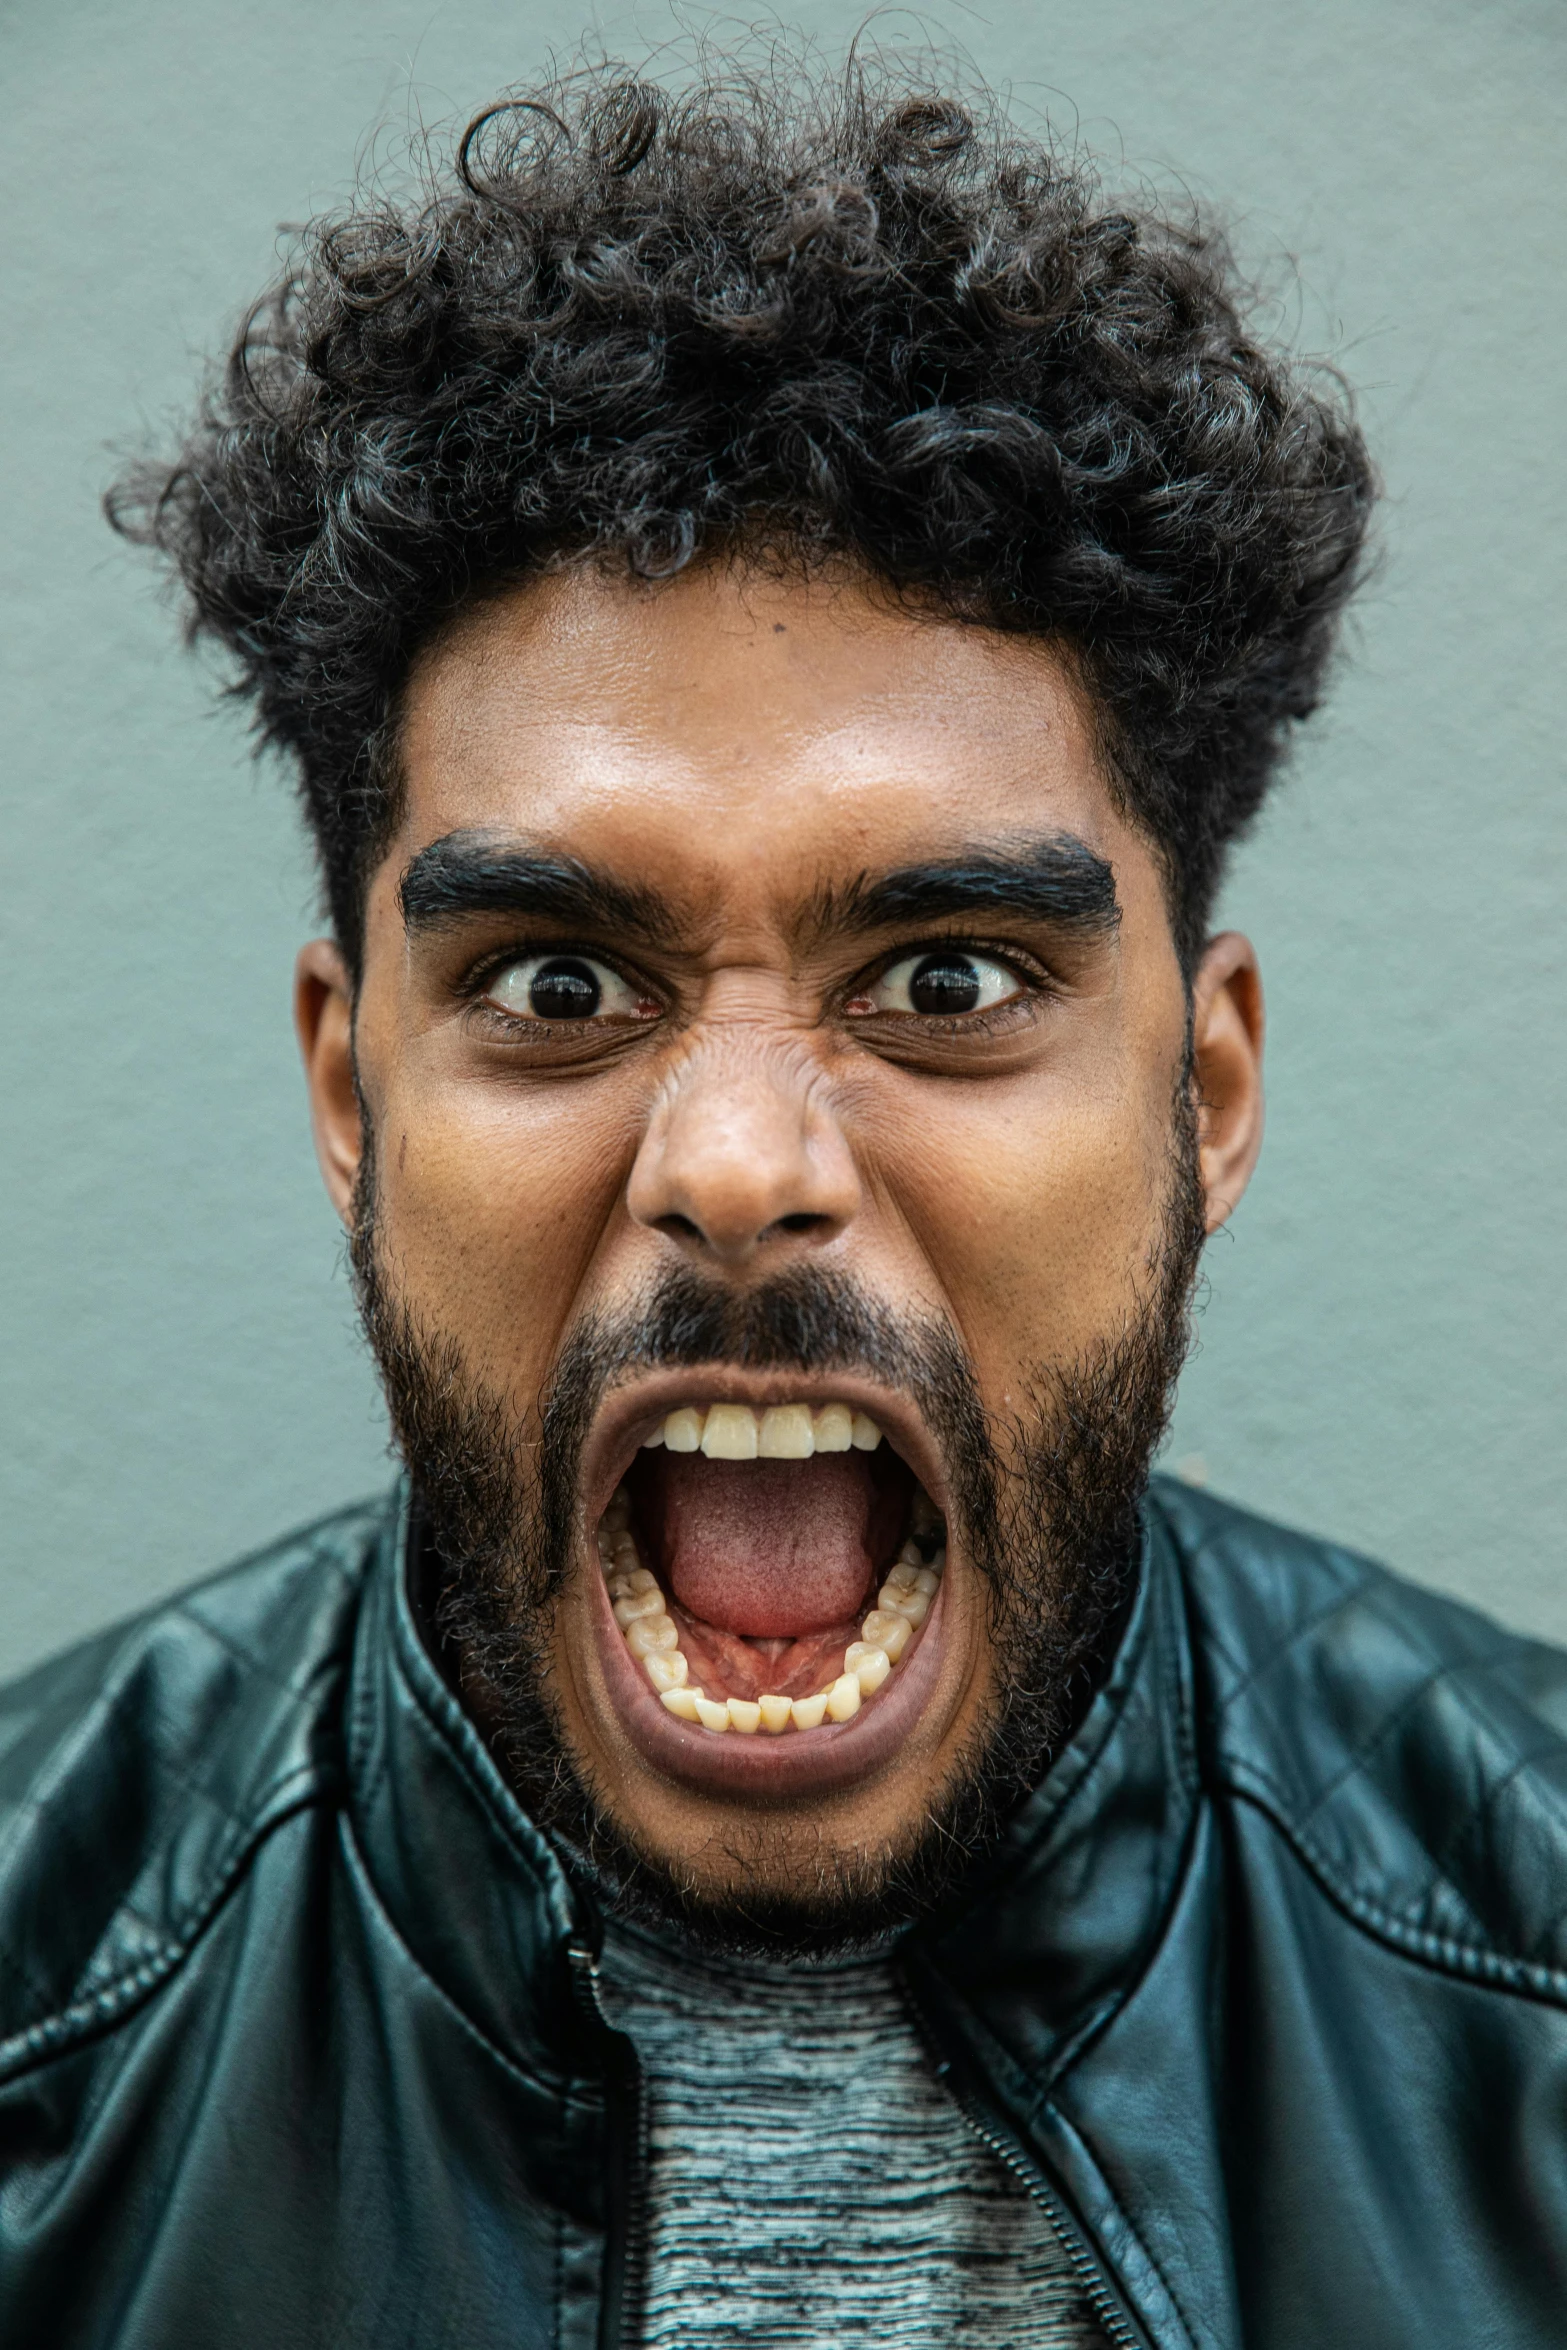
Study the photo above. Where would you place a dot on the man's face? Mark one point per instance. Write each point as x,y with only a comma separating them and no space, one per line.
773,1043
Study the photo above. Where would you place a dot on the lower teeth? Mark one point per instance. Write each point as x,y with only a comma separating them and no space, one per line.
650,1632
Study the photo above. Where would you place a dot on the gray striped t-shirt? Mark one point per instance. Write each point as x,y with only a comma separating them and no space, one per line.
812,2182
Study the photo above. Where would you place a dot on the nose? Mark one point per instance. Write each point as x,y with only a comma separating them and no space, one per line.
743,1154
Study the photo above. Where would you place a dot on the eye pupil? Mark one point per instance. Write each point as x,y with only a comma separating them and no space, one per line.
564,988
944,983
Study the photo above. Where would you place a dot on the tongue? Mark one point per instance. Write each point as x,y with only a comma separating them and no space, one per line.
770,1549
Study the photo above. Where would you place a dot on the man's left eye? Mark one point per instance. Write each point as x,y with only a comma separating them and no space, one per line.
941,982
564,987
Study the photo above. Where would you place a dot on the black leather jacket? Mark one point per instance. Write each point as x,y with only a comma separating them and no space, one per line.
1264,1997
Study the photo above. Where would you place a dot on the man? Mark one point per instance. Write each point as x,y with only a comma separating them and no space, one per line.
779,602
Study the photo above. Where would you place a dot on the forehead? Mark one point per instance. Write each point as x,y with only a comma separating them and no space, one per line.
730,728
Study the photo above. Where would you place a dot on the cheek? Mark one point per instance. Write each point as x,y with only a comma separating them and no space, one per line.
492,1205
1038,1213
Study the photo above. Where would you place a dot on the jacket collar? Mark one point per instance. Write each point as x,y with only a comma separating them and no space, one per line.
1064,1919
471,1886
1051,1932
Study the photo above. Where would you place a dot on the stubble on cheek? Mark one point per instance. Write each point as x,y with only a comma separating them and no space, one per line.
492,1229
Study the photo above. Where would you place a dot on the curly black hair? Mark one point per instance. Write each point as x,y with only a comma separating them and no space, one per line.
843,317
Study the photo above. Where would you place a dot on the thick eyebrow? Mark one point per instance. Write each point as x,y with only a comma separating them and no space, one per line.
469,873
1057,880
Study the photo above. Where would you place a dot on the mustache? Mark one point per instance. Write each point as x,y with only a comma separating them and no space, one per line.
807,1319
810,1319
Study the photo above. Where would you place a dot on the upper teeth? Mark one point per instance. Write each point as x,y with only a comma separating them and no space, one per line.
783,1432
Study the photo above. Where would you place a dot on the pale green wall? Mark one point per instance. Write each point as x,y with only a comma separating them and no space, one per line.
1383,1351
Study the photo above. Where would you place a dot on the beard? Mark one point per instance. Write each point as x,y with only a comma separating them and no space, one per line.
1047,1505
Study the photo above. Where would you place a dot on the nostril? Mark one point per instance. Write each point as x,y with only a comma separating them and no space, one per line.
686,1229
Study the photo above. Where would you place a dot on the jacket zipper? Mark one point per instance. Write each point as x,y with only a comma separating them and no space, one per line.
1112,2318
625,2231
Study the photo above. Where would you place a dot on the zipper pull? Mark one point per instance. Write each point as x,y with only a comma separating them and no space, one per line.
584,1966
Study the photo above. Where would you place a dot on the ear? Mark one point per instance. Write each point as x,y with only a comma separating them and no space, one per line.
324,1021
1227,1030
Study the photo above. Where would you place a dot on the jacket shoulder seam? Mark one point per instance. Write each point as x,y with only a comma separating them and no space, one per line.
1478,1961
1361,1582
51,2035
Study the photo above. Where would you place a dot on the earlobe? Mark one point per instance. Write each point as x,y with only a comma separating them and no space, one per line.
1227,1039
324,1023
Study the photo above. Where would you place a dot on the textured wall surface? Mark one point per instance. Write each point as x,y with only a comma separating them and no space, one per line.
1383,1350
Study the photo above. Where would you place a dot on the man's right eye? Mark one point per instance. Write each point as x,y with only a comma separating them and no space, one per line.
566,987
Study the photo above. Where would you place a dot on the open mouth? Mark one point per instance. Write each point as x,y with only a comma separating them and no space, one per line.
770,1571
